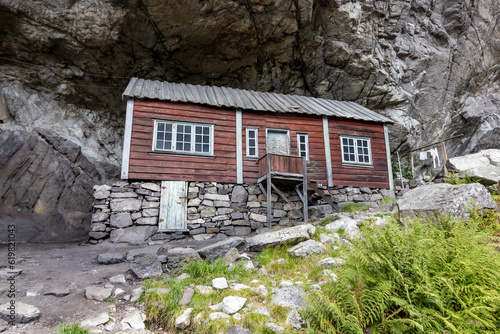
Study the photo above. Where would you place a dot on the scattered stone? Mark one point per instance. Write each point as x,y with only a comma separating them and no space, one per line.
219,283
101,319
349,225
239,287
315,287
294,319
285,236
134,320
24,313
33,292
231,256
120,278
182,277
183,321
136,294
220,248
146,266
235,329
289,297
285,284
151,186
97,293
330,262
204,289
328,272
233,304
458,200
58,292
187,296
275,328
237,316
110,258
218,315
263,311
179,257
328,239
119,292
307,248
216,307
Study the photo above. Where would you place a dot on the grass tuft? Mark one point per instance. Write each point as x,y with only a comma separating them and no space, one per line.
73,328
354,207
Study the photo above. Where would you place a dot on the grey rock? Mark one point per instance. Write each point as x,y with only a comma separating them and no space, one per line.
218,315
239,195
458,200
289,297
330,262
99,217
275,328
146,266
233,304
126,204
120,278
97,293
133,234
100,319
110,258
283,237
293,319
187,296
388,193
328,239
349,225
483,166
24,313
242,230
147,221
98,235
263,311
204,289
219,283
151,186
134,320
235,329
220,248
307,248
121,220
231,256
136,294
183,321
217,197
179,257
98,227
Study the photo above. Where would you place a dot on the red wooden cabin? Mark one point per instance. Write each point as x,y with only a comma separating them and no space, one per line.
179,132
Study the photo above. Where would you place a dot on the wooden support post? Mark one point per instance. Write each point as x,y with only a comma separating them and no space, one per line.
268,197
412,165
282,195
304,189
445,158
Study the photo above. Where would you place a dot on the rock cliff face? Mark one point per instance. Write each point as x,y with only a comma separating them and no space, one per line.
431,65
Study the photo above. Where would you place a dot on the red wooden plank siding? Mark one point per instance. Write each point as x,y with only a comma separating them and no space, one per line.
151,166
295,123
359,176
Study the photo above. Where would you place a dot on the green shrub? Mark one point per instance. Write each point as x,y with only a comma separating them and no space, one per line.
354,207
72,328
456,180
439,277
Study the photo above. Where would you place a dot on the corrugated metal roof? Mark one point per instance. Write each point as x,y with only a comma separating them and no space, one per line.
248,100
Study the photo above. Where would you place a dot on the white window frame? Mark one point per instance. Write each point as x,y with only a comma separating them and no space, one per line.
356,154
256,130
175,125
306,136
282,131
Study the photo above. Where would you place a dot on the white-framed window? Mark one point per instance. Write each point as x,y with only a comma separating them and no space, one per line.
356,150
303,145
183,137
252,142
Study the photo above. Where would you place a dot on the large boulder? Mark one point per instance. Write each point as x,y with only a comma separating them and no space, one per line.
457,200
133,234
285,236
483,166
179,257
220,248
349,225
146,266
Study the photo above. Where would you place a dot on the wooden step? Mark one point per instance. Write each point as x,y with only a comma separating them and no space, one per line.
312,186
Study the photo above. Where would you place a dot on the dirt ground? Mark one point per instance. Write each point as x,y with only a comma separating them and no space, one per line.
70,266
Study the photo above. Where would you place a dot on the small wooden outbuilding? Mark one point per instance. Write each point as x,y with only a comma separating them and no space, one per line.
180,132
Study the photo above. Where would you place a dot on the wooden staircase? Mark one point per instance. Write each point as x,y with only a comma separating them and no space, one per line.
312,187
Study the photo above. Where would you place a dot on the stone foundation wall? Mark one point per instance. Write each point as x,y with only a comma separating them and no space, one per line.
128,212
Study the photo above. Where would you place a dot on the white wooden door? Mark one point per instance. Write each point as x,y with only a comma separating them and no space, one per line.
278,142
173,206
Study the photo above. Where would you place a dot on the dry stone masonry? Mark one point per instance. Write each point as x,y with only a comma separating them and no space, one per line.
128,212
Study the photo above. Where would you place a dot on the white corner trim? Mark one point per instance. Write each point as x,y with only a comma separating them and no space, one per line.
328,153
388,153
127,138
239,147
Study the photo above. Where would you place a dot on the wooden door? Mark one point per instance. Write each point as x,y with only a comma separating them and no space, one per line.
173,206
278,142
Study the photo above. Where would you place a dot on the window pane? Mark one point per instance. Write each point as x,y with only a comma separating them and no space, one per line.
197,148
187,147
197,139
161,126
351,157
344,141
159,135
206,130
169,127
346,157
206,139
251,142
206,148
159,145
351,149
168,136
351,141
167,145
199,130
251,151
302,139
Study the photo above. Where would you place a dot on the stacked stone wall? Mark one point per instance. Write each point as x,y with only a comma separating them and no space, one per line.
129,212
